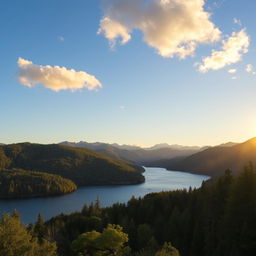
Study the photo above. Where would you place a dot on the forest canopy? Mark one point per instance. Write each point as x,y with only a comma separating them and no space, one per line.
82,166
216,219
17,183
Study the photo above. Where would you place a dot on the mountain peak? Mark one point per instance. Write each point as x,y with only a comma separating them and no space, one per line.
160,145
252,140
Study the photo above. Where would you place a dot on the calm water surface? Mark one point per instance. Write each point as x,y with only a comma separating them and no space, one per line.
157,179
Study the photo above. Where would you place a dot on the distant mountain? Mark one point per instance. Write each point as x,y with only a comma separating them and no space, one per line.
215,160
134,154
82,166
125,147
174,146
228,144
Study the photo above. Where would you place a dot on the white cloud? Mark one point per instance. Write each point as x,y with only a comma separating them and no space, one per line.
234,77
232,71
55,78
113,30
61,38
218,4
250,69
232,51
237,21
172,27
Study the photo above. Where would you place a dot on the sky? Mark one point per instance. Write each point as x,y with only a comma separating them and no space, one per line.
137,72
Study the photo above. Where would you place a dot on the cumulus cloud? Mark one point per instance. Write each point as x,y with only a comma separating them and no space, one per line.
172,27
232,51
250,69
232,71
113,30
55,78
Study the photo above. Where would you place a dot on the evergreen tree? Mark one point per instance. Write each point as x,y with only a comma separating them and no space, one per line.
15,240
40,229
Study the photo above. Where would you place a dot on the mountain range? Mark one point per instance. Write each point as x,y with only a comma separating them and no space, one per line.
135,154
214,161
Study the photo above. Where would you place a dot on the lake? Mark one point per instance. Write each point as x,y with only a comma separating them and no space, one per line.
157,179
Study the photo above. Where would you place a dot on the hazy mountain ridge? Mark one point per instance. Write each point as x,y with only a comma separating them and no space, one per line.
214,161
137,154
173,146
228,144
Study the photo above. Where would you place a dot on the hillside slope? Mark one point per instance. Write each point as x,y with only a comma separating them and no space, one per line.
18,183
136,155
214,161
82,166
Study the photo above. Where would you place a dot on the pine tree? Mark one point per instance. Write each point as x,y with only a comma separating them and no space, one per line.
40,229
15,240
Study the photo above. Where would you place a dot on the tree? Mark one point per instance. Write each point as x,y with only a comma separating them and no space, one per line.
168,250
40,228
144,234
109,242
15,240
4,160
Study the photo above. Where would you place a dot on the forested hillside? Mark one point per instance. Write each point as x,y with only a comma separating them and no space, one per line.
19,240
216,220
82,166
213,161
18,183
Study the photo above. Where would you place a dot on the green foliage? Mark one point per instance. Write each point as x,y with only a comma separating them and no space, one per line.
4,160
109,242
168,250
19,183
82,166
40,229
217,219
144,235
15,240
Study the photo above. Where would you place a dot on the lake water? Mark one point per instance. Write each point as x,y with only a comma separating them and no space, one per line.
157,179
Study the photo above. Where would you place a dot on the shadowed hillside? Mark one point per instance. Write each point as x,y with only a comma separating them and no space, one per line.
82,166
214,161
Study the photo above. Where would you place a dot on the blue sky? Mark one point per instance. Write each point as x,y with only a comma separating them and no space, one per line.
145,98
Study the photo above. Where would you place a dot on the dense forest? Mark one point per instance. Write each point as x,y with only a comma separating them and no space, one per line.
19,240
18,183
217,219
82,166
